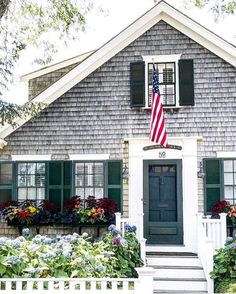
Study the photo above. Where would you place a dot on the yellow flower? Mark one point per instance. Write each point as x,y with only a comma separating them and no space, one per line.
89,213
31,209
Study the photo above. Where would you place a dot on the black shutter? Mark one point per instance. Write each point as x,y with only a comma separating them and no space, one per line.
213,187
137,84
114,181
186,84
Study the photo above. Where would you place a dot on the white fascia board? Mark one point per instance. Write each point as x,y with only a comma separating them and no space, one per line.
31,157
55,66
200,34
3,143
85,157
226,154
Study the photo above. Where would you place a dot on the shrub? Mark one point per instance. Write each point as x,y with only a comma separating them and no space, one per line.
72,256
224,273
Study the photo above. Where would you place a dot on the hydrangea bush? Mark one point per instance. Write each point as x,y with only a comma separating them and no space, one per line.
224,273
74,256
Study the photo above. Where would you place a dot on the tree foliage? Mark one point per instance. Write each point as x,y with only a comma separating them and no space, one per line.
30,23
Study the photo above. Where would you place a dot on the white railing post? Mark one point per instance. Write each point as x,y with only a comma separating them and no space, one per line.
142,243
145,275
118,220
223,228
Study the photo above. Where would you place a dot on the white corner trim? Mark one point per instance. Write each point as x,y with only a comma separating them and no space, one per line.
3,143
226,154
83,157
31,157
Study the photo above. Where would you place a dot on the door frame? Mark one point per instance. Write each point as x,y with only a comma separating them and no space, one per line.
179,190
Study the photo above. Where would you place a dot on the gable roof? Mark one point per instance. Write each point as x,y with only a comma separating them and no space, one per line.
161,11
56,66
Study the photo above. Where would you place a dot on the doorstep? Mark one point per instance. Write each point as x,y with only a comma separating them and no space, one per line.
167,248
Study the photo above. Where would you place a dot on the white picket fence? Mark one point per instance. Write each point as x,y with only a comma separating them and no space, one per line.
140,285
211,236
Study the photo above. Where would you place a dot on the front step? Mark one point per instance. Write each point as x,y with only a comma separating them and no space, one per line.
177,272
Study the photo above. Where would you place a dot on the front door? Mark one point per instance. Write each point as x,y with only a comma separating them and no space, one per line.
163,207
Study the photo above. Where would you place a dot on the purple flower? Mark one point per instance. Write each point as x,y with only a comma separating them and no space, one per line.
233,245
116,240
111,228
25,232
115,232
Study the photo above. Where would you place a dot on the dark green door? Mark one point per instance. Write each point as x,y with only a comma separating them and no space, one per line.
163,212
59,181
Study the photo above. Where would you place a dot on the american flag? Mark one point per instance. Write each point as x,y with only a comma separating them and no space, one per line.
157,124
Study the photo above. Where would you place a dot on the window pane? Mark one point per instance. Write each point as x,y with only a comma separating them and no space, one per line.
31,168
41,168
30,180
79,180
228,193
228,179
89,192
168,75
98,193
228,166
32,193
79,192
22,193
79,168
88,167
88,180
98,180
40,193
40,180
22,168
98,168
21,180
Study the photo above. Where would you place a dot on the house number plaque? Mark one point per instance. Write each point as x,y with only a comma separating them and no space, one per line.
162,154
176,147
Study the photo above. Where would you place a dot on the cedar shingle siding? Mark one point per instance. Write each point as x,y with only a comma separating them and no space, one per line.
95,115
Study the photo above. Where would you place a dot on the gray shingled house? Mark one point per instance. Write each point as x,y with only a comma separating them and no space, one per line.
90,138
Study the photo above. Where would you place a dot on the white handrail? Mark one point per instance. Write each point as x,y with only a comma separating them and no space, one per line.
205,252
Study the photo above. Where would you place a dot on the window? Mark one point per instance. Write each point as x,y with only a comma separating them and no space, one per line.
220,181
166,74
230,180
5,182
89,179
175,81
59,180
31,181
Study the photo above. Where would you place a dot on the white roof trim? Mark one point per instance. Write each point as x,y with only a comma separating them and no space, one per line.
3,143
89,156
226,154
55,66
31,157
162,11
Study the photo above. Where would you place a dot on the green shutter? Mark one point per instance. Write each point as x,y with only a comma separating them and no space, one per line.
59,181
114,181
186,83
213,187
137,84
6,181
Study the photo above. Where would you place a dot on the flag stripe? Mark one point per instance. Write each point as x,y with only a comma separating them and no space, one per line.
157,123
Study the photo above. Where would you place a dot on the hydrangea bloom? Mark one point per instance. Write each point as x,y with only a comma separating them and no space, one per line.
116,240
15,260
25,232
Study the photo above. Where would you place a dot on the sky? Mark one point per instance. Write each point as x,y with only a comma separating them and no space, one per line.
100,27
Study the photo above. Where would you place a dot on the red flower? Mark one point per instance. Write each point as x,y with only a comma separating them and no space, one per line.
221,206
